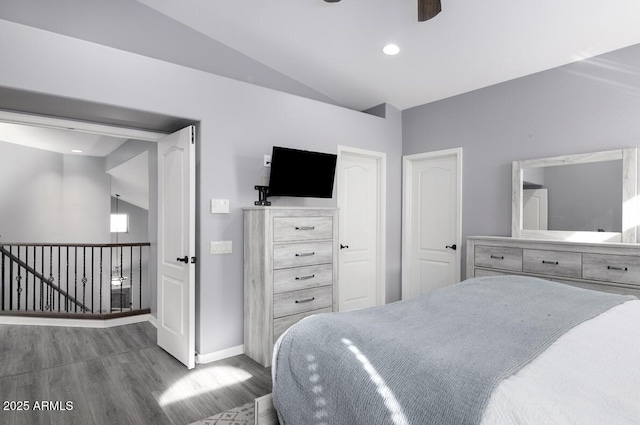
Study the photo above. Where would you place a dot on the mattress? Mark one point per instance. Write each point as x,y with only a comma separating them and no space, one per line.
589,375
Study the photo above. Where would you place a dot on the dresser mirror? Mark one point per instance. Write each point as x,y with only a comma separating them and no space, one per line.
585,197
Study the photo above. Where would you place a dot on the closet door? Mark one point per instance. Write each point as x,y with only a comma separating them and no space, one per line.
431,233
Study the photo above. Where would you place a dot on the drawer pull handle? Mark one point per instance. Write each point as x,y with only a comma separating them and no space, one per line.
498,257
311,276
305,254
305,227
308,300
622,269
550,262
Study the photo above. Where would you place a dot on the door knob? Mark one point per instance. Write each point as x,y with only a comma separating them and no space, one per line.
344,246
183,260
453,247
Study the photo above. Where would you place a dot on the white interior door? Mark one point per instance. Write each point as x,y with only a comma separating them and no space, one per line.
535,209
176,245
432,189
361,199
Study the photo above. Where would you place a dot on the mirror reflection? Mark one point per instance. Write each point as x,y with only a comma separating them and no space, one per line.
575,197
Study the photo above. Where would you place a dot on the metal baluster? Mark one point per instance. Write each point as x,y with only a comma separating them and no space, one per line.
121,276
19,281
10,280
59,281
2,293
100,280
84,275
93,282
66,299
130,277
42,274
50,303
34,281
75,278
140,301
26,283
110,278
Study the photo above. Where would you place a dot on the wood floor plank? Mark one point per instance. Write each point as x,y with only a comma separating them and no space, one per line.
8,393
65,386
140,404
33,388
117,376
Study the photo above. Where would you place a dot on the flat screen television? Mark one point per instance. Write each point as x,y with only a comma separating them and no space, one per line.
301,173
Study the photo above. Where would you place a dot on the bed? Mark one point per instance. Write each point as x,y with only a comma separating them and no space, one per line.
492,350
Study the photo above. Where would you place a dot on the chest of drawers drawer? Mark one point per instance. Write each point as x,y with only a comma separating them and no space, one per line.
293,279
611,268
281,324
295,302
302,254
552,263
497,257
302,228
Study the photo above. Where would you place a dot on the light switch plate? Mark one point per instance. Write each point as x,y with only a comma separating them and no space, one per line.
221,247
267,160
219,206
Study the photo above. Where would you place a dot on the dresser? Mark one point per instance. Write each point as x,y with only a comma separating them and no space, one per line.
608,267
290,271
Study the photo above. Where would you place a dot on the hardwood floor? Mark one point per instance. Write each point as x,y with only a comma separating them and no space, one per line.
114,376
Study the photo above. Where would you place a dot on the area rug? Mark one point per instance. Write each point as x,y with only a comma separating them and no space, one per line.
242,415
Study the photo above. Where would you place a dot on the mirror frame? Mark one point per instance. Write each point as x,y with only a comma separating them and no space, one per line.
629,188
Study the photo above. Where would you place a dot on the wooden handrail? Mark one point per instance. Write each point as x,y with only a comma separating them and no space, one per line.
42,278
86,245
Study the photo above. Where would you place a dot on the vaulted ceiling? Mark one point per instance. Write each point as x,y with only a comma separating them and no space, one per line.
336,48
332,52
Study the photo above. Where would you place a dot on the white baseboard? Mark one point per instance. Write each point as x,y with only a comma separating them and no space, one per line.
73,323
219,355
153,320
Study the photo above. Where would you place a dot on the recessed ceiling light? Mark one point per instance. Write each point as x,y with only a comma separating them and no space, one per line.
391,49
76,151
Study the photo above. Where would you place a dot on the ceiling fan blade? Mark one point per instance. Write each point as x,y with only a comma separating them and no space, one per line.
427,9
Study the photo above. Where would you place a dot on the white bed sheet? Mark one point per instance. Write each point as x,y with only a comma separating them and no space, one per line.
589,376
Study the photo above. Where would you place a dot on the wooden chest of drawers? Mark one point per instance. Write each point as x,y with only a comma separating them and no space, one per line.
608,267
290,272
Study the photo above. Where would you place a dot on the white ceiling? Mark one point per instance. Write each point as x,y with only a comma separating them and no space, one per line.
60,141
335,48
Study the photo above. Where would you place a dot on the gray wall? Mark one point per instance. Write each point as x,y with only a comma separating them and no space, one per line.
138,222
238,124
85,200
30,194
587,106
50,197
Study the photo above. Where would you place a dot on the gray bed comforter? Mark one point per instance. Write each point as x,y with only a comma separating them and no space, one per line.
431,360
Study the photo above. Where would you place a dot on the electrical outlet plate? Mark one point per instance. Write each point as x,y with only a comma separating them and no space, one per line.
221,247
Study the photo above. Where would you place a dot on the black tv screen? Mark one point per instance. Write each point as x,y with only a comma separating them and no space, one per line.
301,173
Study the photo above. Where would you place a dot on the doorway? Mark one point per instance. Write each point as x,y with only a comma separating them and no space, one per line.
431,221
174,171
361,188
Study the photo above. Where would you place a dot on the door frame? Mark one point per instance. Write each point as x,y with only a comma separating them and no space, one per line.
381,159
79,126
407,231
